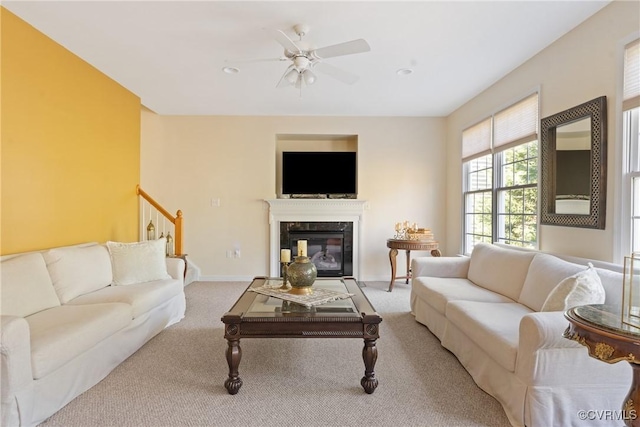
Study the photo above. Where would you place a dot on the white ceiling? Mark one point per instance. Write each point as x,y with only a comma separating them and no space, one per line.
171,53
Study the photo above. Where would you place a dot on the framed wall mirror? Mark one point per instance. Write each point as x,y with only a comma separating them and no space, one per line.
574,166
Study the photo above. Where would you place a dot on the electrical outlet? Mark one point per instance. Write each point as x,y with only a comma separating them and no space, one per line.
236,253
215,202
229,254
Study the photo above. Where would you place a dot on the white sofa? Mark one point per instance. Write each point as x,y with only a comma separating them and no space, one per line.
486,310
65,326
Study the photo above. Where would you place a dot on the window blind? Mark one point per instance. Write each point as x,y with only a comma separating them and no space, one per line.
631,90
517,124
476,140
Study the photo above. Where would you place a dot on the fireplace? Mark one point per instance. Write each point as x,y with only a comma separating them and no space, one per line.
329,245
332,228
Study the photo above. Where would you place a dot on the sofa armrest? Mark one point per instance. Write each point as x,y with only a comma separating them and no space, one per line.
440,266
541,346
15,354
176,267
544,330
547,359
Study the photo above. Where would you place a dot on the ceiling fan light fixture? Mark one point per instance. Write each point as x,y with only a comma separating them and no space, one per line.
292,76
231,70
308,77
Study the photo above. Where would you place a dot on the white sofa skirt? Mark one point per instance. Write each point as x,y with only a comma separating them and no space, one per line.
90,367
554,401
428,316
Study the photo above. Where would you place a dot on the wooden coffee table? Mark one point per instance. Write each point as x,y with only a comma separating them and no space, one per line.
260,316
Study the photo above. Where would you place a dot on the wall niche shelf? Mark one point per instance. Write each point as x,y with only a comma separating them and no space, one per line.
310,142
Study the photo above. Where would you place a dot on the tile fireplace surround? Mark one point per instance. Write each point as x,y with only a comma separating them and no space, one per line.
313,210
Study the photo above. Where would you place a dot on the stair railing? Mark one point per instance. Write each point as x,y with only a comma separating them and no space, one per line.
153,211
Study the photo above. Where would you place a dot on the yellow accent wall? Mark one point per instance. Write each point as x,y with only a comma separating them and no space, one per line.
69,146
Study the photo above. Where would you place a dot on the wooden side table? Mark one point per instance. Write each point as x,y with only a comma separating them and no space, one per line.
408,245
599,328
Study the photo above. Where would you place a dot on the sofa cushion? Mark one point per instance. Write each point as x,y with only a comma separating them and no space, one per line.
499,269
141,296
582,288
138,262
26,286
438,291
78,270
493,327
612,284
545,272
62,333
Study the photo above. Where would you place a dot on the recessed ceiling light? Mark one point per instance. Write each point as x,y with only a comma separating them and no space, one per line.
404,71
230,70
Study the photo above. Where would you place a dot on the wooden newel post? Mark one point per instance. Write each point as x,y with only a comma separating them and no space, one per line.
178,233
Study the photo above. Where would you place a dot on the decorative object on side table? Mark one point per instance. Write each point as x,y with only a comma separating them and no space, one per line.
401,230
406,231
631,290
302,272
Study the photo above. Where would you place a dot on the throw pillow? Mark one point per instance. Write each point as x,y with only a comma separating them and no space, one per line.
138,262
78,270
584,287
26,287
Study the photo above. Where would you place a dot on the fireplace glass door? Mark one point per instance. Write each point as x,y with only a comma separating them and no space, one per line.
325,249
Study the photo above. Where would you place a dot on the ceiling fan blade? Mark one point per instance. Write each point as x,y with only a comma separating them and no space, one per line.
284,82
336,73
346,48
245,61
284,40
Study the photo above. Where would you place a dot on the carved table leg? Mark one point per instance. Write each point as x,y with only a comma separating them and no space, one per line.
630,405
393,253
234,354
408,253
370,354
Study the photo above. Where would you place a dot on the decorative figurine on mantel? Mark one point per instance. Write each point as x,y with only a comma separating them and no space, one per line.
302,272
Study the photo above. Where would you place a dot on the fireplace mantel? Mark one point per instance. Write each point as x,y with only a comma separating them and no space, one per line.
313,210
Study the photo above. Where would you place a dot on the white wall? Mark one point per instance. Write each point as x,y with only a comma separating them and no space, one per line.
578,67
188,160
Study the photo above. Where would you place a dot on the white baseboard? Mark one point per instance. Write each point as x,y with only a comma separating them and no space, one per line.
226,278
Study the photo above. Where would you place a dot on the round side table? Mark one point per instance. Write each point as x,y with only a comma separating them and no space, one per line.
408,245
600,328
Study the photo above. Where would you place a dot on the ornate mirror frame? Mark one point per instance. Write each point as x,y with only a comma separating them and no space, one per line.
596,109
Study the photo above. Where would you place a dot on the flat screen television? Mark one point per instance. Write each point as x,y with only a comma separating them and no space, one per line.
319,173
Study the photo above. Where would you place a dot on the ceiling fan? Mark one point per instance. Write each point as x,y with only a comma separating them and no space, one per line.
305,58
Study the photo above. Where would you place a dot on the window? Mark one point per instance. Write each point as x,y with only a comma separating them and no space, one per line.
631,136
518,195
502,206
478,201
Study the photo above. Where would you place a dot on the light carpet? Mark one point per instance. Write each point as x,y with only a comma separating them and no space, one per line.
177,378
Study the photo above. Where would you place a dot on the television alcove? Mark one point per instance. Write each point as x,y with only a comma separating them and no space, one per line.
330,174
